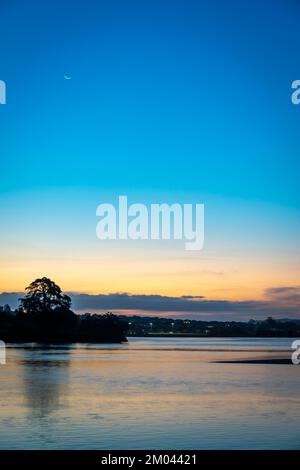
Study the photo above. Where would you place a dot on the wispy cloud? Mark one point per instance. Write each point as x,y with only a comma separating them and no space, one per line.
285,295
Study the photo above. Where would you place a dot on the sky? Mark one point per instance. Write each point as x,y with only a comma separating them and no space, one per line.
181,101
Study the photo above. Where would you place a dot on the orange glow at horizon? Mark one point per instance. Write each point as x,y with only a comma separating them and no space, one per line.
233,278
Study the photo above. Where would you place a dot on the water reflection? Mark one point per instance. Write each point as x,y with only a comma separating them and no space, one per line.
45,380
153,393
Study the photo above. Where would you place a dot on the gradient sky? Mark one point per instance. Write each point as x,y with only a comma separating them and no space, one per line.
181,101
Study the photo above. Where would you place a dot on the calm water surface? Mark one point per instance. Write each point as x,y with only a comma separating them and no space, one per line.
150,393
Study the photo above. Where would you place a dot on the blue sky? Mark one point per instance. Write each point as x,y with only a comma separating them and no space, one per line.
182,95
182,100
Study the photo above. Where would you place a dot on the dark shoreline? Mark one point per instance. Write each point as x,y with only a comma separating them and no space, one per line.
183,335
257,361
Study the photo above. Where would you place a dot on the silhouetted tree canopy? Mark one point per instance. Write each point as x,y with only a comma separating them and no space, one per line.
44,296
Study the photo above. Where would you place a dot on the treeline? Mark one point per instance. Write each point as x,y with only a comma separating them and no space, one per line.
157,326
44,315
61,326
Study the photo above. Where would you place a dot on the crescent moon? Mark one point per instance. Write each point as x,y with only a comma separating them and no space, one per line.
67,77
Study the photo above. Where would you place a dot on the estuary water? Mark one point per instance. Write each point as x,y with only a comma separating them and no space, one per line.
151,393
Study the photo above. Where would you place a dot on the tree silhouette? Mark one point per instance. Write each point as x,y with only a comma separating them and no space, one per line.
44,296
45,316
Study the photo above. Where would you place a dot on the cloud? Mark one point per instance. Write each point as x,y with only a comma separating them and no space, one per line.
284,294
10,298
278,302
192,297
187,306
